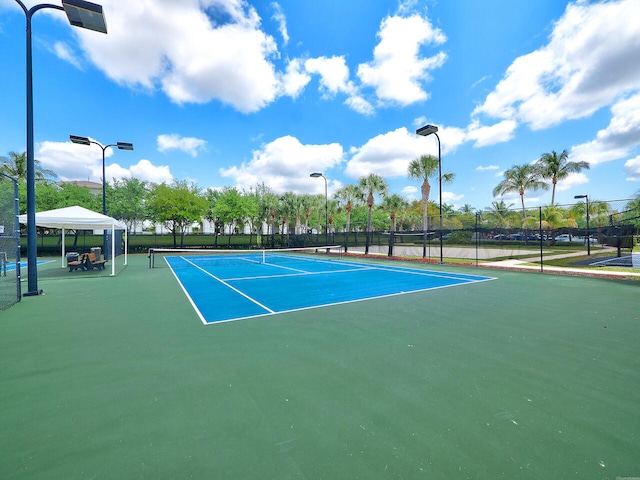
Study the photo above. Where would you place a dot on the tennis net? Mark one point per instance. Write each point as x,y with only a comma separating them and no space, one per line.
192,257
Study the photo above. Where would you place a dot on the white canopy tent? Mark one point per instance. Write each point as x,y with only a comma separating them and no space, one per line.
79,218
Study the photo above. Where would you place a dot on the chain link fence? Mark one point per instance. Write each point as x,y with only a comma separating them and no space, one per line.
605,236
9,242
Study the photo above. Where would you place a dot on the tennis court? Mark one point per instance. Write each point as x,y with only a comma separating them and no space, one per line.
234,285
532,376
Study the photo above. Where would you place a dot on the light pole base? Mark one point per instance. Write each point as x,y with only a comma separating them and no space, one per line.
32,294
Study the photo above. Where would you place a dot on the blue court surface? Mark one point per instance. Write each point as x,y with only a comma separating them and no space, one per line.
245,286
11,266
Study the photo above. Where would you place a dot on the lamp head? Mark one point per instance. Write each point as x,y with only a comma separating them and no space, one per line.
85,15
124,146
580,196
427,130
79,140
316,175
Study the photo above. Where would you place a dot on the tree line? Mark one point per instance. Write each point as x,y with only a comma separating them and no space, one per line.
363,206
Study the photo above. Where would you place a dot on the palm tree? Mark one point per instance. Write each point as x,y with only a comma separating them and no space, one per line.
15,165
347,195
369,186
634,204
520,178
421,169
556,167
499,214
394,204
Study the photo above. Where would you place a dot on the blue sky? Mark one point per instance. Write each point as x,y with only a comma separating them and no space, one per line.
233,92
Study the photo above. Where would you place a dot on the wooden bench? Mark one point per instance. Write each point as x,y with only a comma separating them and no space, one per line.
91,262
75,264
87,261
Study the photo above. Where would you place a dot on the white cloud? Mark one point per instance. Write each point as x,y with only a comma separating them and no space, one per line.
71,161
146,171
66,53
285,165
173,141
334,74
79,162
450,197
573,180
295,78
632,169
397,70
490,135
388,154
177,46
481,168
616,140
360,105
590,60
279,17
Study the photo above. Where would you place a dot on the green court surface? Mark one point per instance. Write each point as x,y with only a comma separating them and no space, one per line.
530,376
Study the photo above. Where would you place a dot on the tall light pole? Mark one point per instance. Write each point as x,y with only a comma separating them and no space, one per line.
425,132
88,141
586,197
121,146
326,205
80,14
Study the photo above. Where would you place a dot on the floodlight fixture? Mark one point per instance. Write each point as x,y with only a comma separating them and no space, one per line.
85,15
427,130
79,140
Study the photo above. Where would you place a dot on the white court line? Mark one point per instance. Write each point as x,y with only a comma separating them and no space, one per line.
344,302
229,286
301,273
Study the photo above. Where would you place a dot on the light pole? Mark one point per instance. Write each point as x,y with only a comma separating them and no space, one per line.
121,146
80,14
425,132
326,205
586,197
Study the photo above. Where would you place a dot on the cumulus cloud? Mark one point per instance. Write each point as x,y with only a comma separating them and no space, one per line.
71,161
484,135
295,79
147,171
173,141
285,164
397,70
632,169
199,51
590,61
196,51
334,74
616,140
78,162
388,154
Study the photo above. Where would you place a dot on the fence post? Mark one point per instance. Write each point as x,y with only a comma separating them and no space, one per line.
540,233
